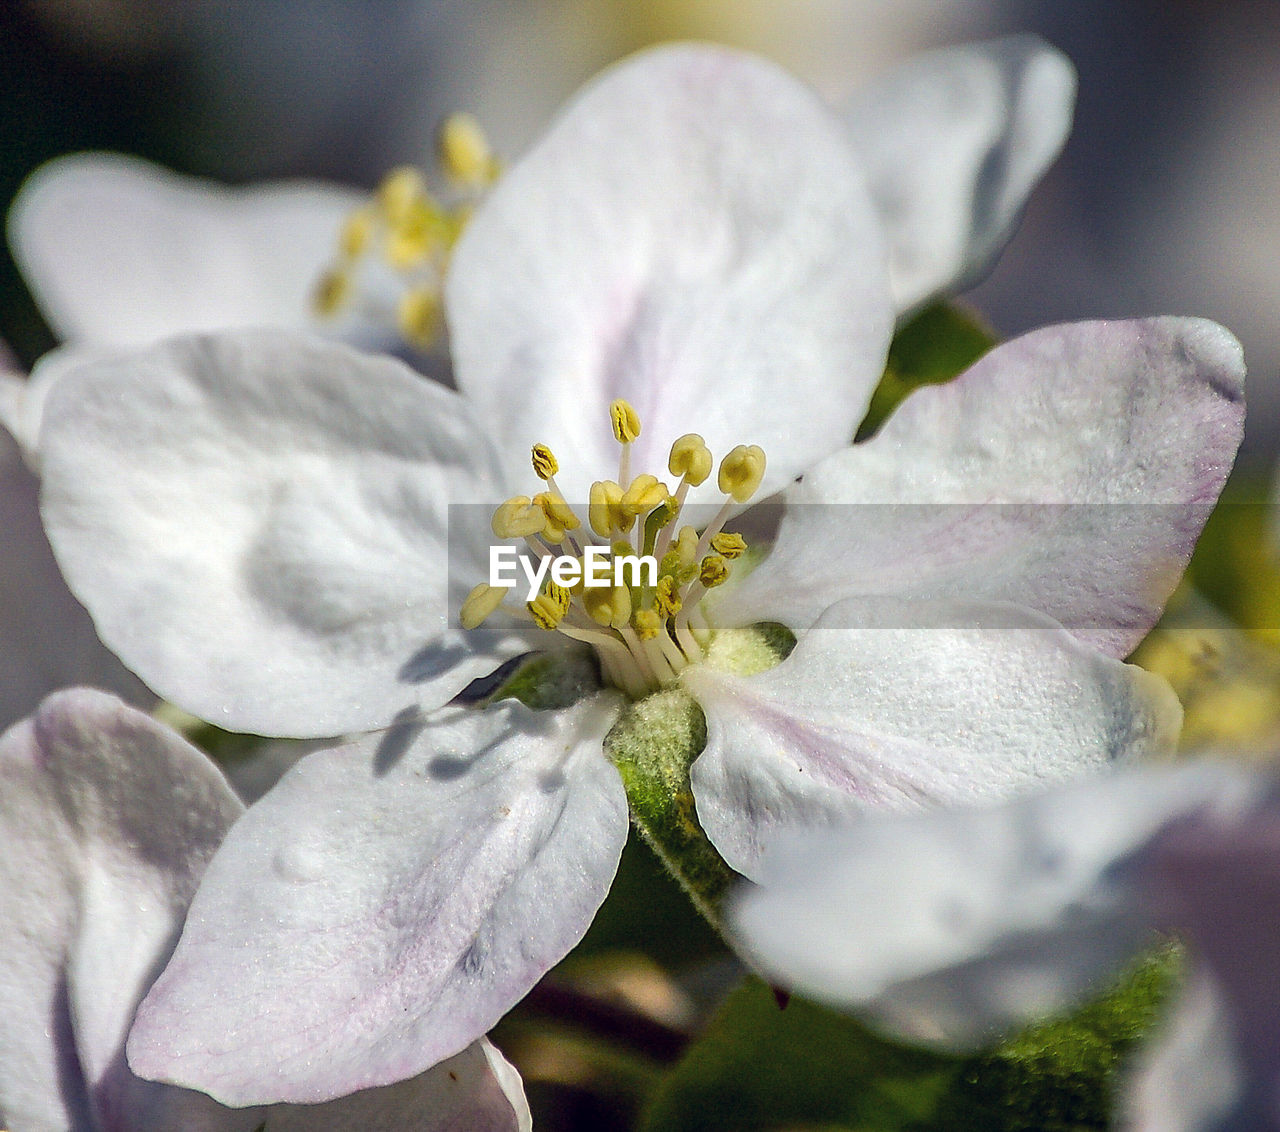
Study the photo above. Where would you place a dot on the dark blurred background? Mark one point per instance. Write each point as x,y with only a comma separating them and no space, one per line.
1167,199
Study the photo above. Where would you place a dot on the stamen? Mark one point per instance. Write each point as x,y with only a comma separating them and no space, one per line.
545,464
713,572
464,152
333,291
729,545
609,606
604,512
518,517
741,472
399,191
418,316
480,603
357,232
690,459
645,493
625,420
549,608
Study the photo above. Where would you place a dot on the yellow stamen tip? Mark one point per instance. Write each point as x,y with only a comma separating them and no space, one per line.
609,606
667,597
691,459
645,493
357,231
545,464
546,611
741,472
400,190
557,511
604,511
331,293
625,421
418,237
418,316
479,603
518,517
464,152
647,624
729,545
714,571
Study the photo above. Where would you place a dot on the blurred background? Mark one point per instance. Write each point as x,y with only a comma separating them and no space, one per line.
1165,200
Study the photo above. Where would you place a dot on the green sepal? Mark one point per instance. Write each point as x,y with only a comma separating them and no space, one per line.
933,346
653,745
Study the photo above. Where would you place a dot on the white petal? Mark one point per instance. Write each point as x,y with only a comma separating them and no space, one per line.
954,141
122,252
46,638
1070,470
1189,1078
477,1090
386,903
693,235
948,927
260,525
107,819
899,705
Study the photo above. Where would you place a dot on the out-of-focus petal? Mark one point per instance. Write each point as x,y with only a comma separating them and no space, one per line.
954,142
1070,470
949,927
901,705
107,819
692,235
260,525
46,638
386,903
121,252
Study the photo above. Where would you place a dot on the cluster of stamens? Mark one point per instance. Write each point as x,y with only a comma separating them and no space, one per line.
645,625
409,233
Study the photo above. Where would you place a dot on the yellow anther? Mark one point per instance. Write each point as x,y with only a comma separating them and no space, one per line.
646,623
729,545
690,459
545,464
686,545
418,316
557,510
667,597
400,190
357,231
518,517
464,152
625,420
417,238
714,571
546,611
645,493
741,472
481,602
608,605
604,512
331,293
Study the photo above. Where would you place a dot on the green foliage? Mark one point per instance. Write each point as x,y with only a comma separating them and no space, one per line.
758,1067
934,346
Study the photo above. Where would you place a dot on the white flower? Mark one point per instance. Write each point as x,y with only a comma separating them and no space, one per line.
118,251
108,819
952,926
261,525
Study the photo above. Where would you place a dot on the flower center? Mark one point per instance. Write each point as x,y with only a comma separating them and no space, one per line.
394,250
633,592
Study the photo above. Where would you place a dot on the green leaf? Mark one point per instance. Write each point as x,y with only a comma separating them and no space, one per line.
936,345
758,1067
